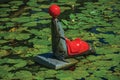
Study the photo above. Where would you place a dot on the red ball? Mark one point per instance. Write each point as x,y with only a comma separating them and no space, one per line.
54,10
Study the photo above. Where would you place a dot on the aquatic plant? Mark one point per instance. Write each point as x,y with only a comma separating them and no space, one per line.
25,33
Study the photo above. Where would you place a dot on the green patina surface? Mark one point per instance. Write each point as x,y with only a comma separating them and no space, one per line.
25,32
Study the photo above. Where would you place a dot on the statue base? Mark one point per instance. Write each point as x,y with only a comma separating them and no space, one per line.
49,60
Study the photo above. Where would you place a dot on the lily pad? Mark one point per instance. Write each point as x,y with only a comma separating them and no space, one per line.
4,53
24,36
21,19
16,3
23,75
17,36
5,74
29,24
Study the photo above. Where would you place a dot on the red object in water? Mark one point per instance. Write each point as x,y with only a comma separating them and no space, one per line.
54,10
72,68
76,47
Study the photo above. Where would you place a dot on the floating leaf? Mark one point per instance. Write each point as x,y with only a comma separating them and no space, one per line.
4,19
72,16
64,75
92,78
40,74
19,50
44,21
16,3
15,35
5,67
39,42
65,22
50,73
4,5
30,24
3,41
111,77
23,75
6,47
3,53
32,3
4,74
101,73
21,19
